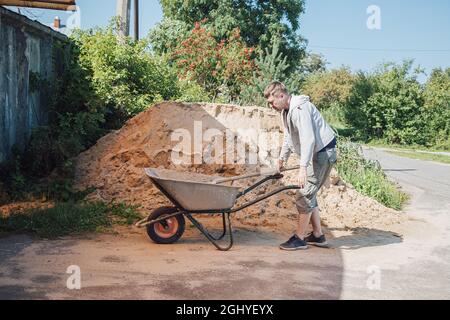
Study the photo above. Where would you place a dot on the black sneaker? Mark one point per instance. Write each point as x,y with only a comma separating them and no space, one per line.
294,243
317,241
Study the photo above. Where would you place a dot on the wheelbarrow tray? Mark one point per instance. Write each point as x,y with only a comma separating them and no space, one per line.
194,191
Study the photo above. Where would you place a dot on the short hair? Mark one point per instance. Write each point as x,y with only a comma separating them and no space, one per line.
273,88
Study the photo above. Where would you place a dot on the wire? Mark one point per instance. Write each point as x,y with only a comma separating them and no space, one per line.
385,50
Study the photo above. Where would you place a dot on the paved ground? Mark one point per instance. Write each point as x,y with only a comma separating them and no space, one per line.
372,264
419,266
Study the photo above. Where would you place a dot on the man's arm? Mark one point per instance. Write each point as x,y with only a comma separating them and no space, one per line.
285,151
286,148
306,134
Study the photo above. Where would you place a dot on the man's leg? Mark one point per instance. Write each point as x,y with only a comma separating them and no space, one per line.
323,165
315,221
303,223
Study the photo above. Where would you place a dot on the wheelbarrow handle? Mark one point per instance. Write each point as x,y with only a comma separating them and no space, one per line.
266,172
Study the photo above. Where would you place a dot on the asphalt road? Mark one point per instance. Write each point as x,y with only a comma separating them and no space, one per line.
428,182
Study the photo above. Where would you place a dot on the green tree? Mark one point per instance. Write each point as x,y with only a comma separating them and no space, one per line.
258,21
388,104
220,67
312,63
125,76
270,65
437,108
327,88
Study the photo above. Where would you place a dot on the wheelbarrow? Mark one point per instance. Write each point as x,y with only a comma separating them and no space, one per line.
199,194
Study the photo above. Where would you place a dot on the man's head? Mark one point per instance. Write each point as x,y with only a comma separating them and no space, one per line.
277,96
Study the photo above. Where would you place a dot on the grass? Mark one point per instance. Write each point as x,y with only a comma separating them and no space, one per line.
367,176
384,144
67,218
423,156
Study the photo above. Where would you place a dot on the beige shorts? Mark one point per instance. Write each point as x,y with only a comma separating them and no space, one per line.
318,172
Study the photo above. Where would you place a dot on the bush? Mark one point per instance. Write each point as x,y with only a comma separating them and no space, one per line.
437,109
387,104
126,77
99,84
329,88
192,92
366,176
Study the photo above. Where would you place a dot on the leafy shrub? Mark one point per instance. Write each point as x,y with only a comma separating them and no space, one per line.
99,84
436,113
126,77
329,88
167,35
389,104
191,91
366,176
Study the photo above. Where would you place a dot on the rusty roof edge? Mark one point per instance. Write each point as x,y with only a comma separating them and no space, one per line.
33,23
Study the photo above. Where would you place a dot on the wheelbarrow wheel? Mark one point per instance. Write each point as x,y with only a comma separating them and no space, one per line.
166,231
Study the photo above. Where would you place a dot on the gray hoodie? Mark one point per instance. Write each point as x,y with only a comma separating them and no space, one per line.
305,130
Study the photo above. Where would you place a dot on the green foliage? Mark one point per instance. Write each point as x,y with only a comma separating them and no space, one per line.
388,103
125,76
167,35
313,63
437,109
366,176
12,177
328,88
221,68
99,84
191,91
271,65
258,21
67,218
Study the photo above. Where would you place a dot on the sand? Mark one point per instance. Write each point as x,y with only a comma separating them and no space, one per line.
115,167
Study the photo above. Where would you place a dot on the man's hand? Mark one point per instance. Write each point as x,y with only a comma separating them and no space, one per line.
280,165
302,177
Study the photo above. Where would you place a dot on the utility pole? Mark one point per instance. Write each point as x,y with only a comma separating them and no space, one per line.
123,14
136,20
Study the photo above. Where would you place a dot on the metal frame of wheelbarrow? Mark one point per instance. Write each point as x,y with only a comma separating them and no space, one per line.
225,212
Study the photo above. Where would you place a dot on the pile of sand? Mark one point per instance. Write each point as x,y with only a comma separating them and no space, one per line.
114,166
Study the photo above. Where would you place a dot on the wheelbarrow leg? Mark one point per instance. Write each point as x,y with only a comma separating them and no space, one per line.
224,232
213,240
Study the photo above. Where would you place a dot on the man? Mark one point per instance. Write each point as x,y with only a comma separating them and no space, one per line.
307,134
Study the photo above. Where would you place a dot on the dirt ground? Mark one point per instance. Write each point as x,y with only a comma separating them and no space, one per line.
125,264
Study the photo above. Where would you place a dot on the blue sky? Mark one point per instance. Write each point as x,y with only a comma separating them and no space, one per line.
416,29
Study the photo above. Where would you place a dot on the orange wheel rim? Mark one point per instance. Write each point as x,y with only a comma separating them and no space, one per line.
166,228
